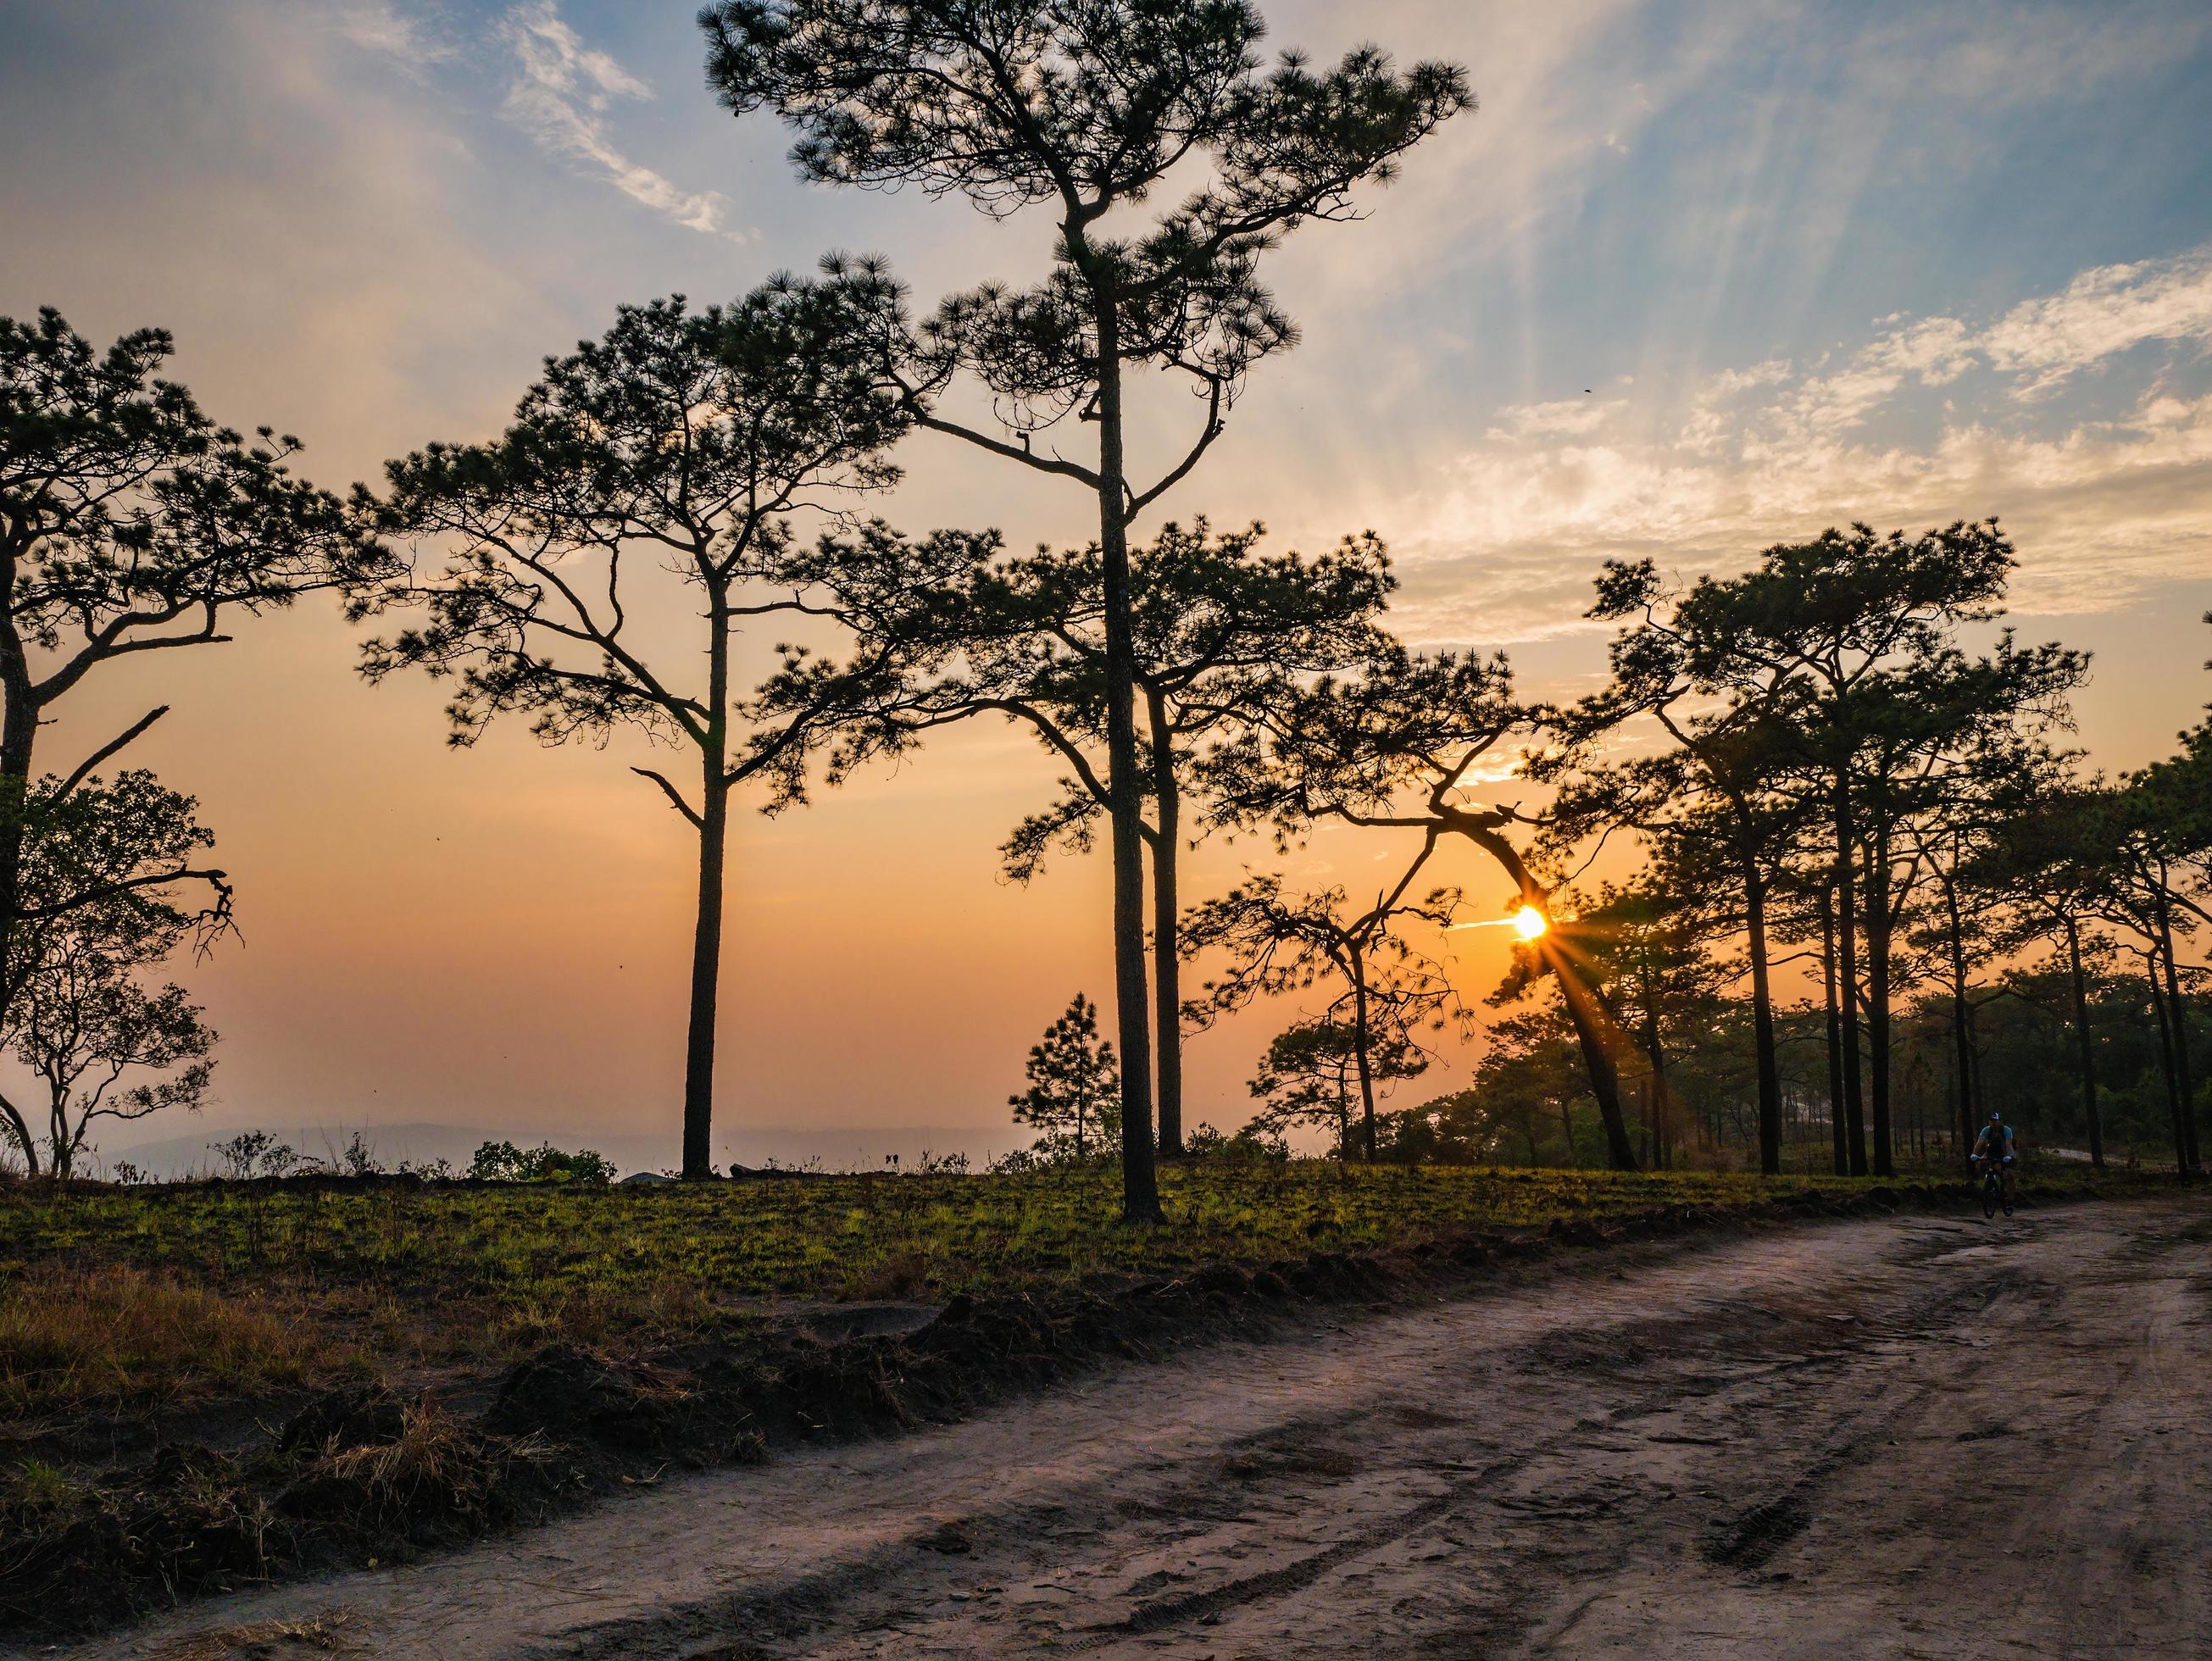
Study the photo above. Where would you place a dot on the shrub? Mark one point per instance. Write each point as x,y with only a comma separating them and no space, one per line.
504,1162
1253,1145
358,1158
256,1153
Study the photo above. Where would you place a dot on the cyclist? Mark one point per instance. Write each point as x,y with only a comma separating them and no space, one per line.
1996,1142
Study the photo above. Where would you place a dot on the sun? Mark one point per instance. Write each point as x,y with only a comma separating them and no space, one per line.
1529,922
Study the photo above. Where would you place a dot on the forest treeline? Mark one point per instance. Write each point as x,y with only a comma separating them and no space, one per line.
1834,763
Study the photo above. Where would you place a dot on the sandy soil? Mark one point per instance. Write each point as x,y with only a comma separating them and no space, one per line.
1913,1437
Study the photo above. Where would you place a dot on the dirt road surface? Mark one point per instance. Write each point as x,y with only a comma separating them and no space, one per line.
1911,1436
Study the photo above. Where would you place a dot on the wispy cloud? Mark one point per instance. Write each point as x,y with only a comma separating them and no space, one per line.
2038,344
1562,417
2102,500
559,90
560,96
2101,313
378,25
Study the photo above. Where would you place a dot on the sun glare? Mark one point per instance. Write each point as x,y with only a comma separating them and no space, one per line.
1529,922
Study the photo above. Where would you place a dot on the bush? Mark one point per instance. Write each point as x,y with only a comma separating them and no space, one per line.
504,1162
1253,1145
1055,1151
256,1153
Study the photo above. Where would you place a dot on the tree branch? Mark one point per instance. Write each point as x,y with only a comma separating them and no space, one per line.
85,767
674,795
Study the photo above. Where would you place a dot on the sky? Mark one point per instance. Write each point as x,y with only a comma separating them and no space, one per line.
1695,277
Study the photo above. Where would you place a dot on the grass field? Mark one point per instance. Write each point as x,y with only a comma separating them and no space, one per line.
110,1298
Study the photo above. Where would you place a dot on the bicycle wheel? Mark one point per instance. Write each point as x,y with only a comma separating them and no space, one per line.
1988,1199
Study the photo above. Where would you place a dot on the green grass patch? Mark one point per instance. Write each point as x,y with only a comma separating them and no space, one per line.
116,1295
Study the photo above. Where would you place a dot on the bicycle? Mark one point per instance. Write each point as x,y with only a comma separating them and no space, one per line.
1993,1190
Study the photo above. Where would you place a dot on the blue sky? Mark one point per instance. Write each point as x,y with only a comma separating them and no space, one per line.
1709,214
1811,262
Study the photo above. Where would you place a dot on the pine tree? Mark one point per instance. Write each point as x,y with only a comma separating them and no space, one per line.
1087,110
1075,1085
666,467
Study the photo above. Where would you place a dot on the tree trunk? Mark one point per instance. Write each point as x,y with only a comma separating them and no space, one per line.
1167,964
2180,1016
1662,1096
19,737
19,1133
64,1148
1847,973
1590,1021
1359,1042
1962,1015
706,970
1835,1034
1591,1024
2089,1050
1762,1021
707,933
2166,1054
1877,958
1140,1196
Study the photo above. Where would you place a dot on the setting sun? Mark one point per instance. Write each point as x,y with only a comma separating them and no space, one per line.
1529,922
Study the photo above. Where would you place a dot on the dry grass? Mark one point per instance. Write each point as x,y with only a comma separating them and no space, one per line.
436,1465
115,1333
600,1316
899,1274
329,1633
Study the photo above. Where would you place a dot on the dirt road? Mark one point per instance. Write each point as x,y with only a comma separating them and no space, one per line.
1913,1437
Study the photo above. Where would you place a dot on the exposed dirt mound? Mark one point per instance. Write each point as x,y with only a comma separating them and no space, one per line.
346,1418
186,1519
574,1395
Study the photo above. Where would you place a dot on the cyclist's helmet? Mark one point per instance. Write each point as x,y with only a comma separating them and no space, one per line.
1997,1118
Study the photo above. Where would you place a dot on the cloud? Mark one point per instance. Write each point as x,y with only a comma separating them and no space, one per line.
1982,56
1562,417
2101,313
2039,343
560,97
378,25
2102,502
